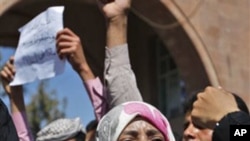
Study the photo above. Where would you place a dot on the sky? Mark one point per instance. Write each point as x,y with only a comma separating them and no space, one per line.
67,85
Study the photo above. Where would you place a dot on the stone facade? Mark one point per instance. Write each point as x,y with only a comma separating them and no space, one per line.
5,4
220,32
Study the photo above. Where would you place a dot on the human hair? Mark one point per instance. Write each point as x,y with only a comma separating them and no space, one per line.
80,136
92,125
188,105
241,104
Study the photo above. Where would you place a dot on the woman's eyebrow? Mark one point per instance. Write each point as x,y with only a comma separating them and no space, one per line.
151,132
133,133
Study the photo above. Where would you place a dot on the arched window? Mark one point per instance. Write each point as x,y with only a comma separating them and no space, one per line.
171,89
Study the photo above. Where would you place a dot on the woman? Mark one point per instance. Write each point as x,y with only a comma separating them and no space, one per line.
134,121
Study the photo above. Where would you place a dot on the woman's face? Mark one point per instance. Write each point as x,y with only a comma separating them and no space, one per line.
140,130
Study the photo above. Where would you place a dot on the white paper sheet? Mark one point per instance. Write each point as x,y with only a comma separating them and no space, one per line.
36,56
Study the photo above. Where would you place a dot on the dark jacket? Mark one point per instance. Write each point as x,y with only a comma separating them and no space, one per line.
222,129
7,128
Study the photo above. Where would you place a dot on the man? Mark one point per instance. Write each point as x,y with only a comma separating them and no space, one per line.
207,110
191,132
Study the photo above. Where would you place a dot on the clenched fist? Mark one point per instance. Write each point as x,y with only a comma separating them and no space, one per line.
211,106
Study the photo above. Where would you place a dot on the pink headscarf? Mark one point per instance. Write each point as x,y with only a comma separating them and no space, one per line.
113,123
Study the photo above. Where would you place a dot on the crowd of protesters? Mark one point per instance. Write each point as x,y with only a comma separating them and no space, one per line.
121,114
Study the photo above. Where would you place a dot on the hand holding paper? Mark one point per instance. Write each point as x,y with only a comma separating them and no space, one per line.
69,46
7,74
36,56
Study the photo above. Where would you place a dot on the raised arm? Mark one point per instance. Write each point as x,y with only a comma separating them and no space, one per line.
217,109
17,105
119,77
69,46
211,106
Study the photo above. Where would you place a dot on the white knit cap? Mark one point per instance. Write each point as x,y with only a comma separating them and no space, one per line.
60,129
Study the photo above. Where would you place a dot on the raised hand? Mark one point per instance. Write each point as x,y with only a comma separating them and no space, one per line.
7,75
69,46
15,93
211,106
113,8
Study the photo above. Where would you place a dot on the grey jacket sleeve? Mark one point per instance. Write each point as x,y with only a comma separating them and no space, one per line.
119,78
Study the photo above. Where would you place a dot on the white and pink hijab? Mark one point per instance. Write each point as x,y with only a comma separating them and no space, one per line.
113,123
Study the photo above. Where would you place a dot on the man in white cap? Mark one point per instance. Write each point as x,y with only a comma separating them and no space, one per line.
62,130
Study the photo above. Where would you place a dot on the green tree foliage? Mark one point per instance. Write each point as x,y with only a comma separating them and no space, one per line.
44,107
